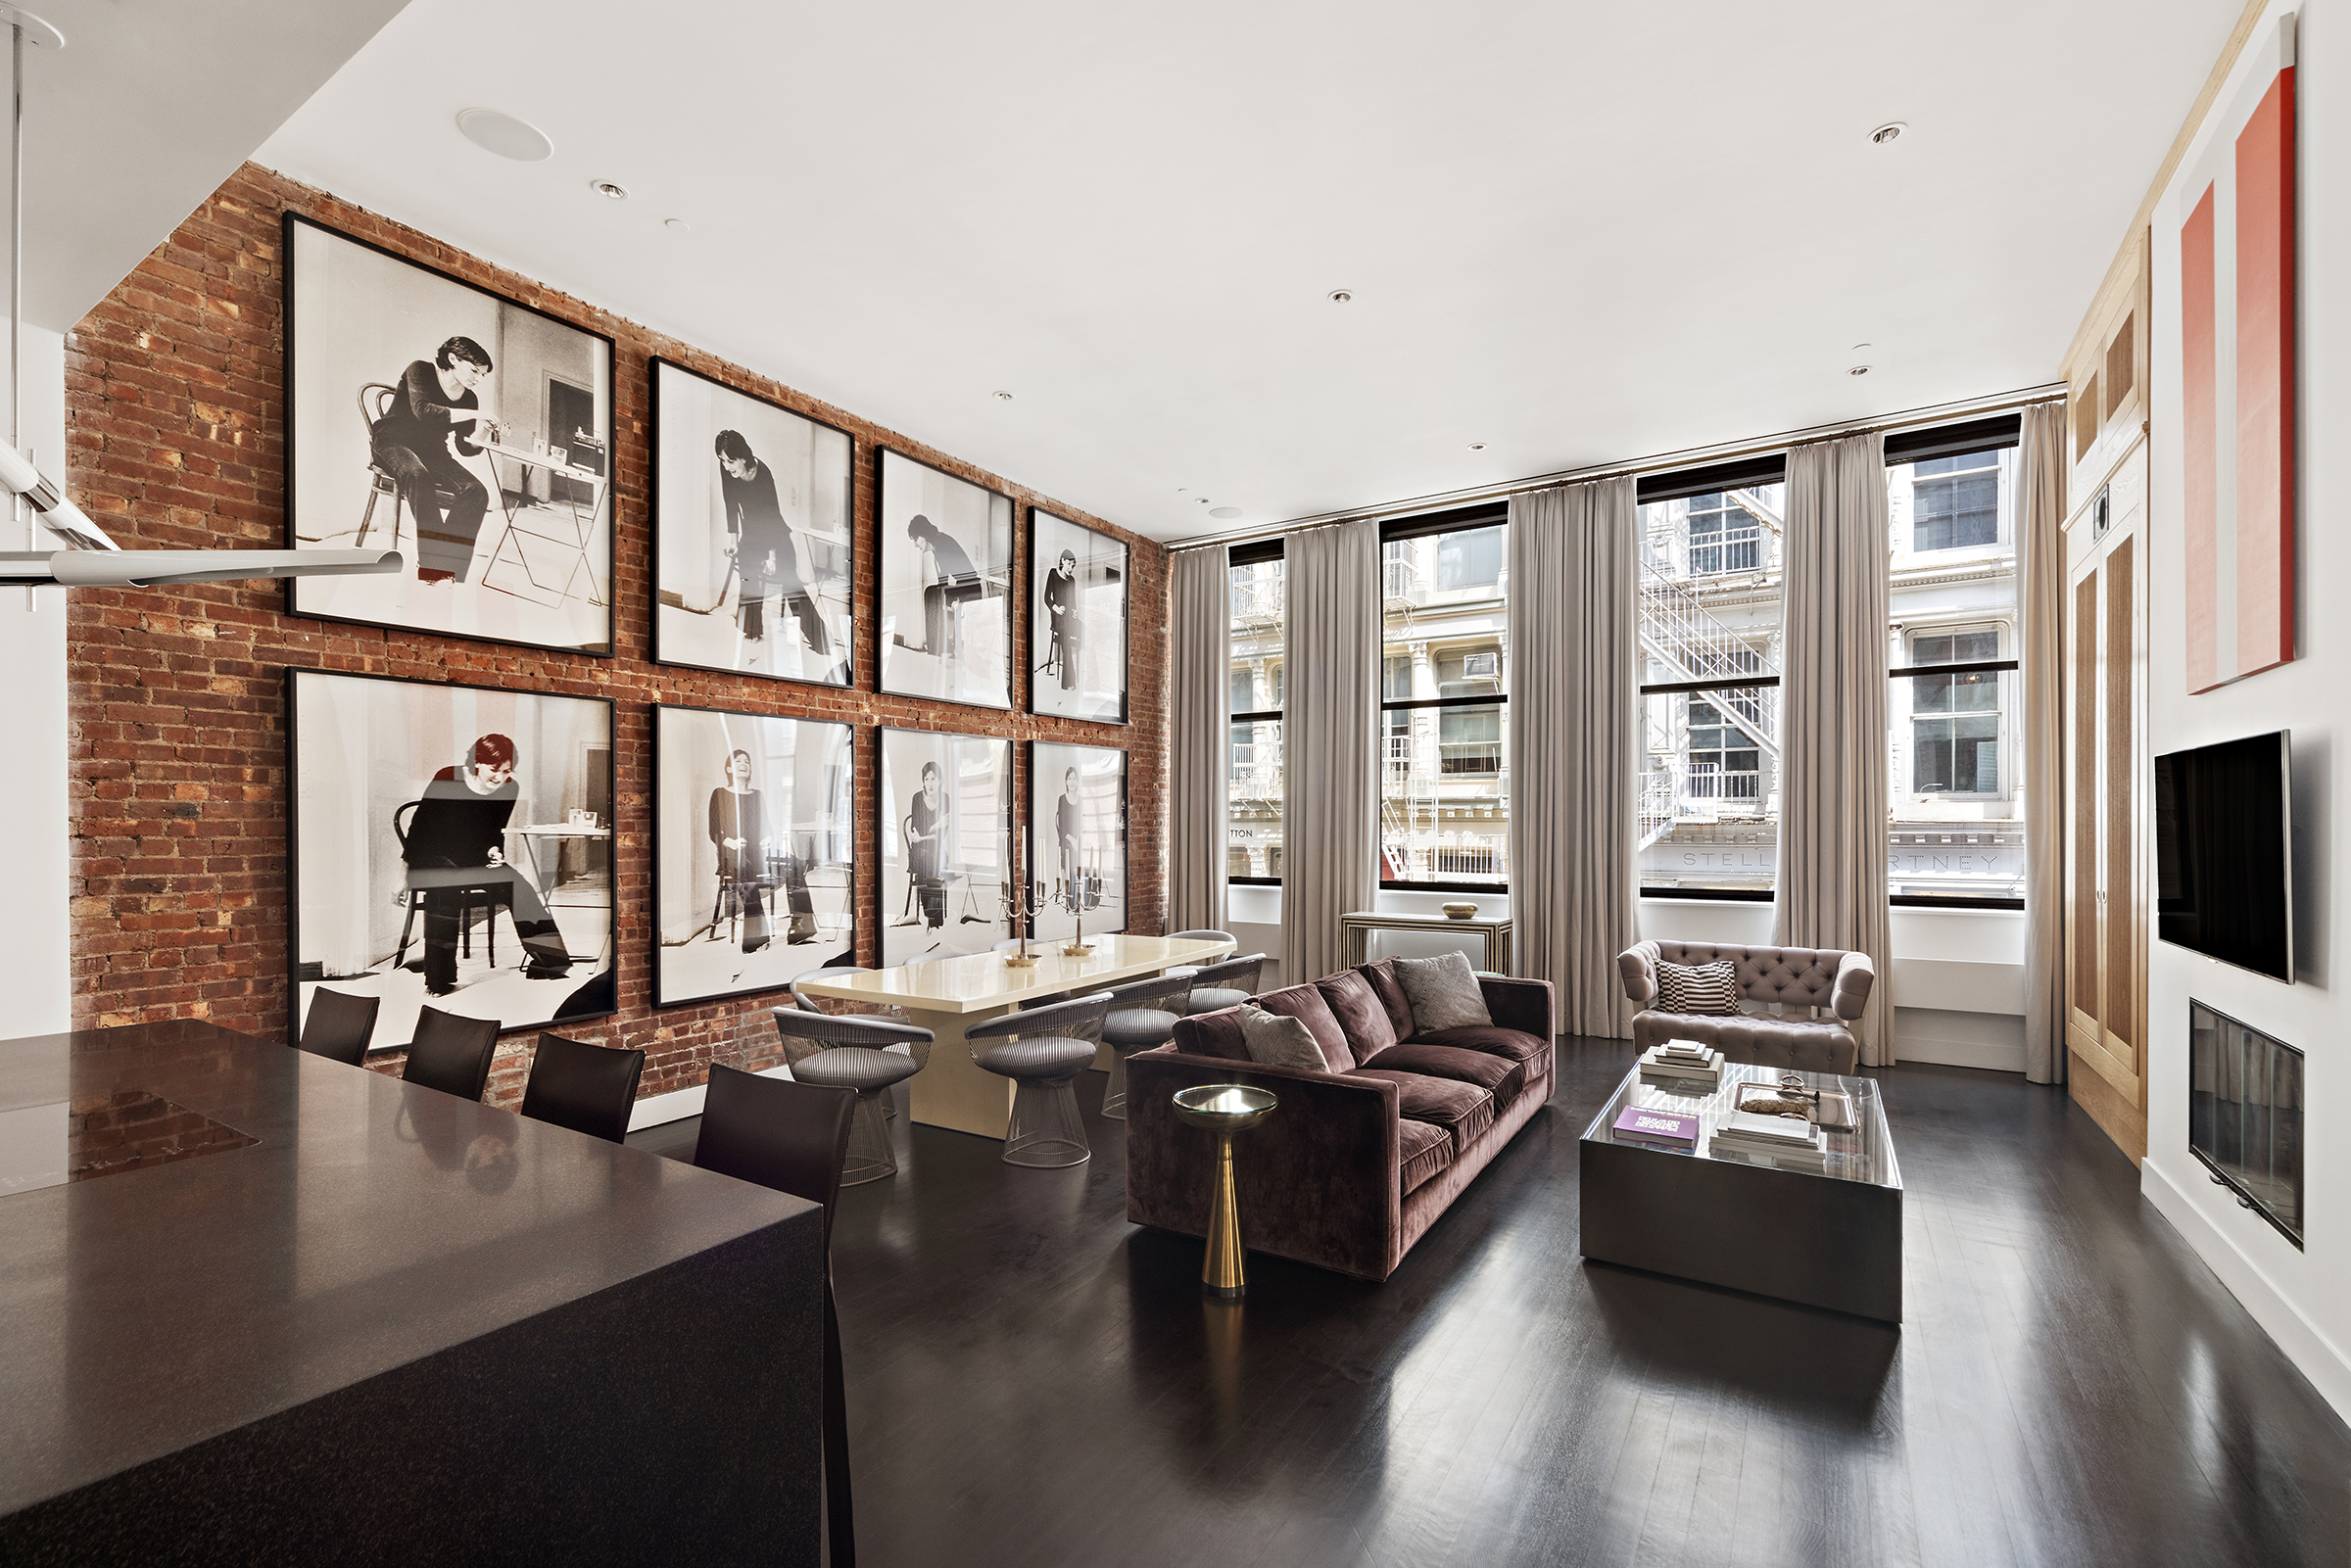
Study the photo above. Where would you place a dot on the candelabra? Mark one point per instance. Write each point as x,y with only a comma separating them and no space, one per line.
1022,906
1077,895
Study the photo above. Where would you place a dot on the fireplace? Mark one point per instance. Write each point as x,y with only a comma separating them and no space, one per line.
2244,1114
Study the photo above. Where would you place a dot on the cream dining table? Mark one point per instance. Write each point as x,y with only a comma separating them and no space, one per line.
948,995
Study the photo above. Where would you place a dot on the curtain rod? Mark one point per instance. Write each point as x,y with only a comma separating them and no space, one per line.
1661,462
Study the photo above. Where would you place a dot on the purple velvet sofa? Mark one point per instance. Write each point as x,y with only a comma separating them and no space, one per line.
1356,1163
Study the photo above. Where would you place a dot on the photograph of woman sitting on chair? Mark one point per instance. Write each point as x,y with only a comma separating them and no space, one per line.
946,812
750,534
451,845
465,430
1078,604
753,846
946,581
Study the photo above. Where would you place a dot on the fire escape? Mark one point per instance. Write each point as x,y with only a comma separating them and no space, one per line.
1687,642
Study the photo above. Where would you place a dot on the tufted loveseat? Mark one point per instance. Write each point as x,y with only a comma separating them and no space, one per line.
1814,993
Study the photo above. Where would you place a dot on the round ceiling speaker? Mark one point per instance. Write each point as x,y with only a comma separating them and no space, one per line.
493,131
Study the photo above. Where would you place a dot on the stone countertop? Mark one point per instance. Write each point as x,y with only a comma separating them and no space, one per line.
367,1225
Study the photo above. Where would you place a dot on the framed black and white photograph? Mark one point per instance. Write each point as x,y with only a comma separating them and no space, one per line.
947,837
1076,620
946,584
451,847
468,432
1078,837
754,851
751,534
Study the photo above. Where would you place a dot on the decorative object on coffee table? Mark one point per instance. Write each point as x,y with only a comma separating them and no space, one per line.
1225,1109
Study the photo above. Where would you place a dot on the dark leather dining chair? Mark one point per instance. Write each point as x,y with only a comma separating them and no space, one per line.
339,1025
793,1137
451,1052
588,1088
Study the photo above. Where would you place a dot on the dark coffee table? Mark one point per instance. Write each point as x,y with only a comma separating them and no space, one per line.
1829,1240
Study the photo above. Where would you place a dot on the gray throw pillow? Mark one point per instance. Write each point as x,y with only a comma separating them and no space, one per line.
1444,994
1278,1040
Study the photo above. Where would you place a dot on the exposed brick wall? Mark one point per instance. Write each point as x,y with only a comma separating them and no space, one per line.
175,433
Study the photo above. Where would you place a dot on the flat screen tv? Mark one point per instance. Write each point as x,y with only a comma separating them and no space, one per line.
2224,836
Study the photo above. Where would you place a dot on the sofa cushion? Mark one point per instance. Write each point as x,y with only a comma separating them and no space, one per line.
1424,1150
1360,1012
1443,991
1709,989
1278,1040
1498,1075
1217,1034
1512,1045
1807,1045
1462,1110
1305,1003
1381,977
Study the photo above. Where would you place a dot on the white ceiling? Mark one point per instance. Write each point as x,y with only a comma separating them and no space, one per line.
1578,233
148,108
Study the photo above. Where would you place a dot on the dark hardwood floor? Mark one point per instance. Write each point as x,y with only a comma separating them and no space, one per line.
1034,1381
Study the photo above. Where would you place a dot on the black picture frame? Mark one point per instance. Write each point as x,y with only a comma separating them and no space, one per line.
896,582
1045,759
827,558
674,828
1048,536
900,906
585,996
316,460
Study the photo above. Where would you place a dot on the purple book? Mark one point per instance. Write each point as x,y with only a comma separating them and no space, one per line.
1657,1126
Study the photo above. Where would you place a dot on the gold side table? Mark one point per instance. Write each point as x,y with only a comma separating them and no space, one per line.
1225,1109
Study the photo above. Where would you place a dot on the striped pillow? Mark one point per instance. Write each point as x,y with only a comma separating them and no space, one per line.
1711,988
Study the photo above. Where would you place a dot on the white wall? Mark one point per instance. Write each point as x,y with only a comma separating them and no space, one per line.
36,969
2302,1298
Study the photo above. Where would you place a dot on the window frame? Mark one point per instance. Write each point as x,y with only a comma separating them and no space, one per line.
1457,520
1257,552
1992,433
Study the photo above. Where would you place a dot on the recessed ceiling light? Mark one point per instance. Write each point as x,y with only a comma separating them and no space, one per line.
1224,511
1859,370
495,132
1477,445
609,190
1862,347
1889,131
1340,295
677,225
1001,396
1202,499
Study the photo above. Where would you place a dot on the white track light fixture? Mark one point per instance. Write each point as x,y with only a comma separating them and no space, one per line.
92,559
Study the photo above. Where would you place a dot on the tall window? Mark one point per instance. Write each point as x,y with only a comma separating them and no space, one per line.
1444,797
1709,630
1254,791
1958,834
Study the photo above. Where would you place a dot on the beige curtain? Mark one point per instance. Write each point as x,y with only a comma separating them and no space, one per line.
1199,650
1329,834
2040,605
1833,775
1575,743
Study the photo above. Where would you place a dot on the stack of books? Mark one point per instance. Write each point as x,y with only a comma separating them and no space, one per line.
1682,1064
1655,1130
1782,1141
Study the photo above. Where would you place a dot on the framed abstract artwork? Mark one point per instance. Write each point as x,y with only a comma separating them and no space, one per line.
1076,620
752,544
754,851
946,584
1078,837
470,432
946,837
2235,237
451,846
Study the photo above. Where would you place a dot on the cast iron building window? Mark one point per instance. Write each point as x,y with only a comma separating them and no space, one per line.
1444,769
1254,770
